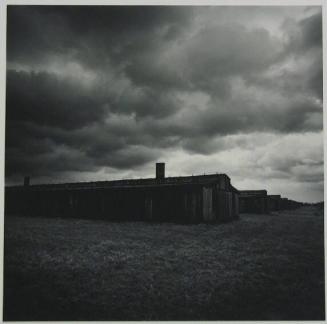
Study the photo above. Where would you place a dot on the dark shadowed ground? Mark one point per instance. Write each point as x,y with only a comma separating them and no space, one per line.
262,267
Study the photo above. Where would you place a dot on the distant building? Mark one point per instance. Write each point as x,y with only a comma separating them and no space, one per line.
258,202
191,199
253,201
290,204
274,203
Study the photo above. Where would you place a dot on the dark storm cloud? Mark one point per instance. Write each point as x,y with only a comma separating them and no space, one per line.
70,116
309,34
38,151
234,117
145,102
20,162
94,87
47,100
116,31
206,60
34,34
305,40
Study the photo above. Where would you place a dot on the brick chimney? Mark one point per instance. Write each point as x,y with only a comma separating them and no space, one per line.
160,170
26,181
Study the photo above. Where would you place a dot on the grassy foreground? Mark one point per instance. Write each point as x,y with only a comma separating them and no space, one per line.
262,267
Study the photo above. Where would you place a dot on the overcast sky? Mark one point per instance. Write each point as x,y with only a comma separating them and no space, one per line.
99,93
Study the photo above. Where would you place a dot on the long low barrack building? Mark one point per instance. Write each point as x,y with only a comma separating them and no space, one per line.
190,199
290,204
258,202
274,203
253,201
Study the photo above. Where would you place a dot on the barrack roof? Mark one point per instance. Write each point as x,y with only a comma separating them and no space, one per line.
130,183
252,193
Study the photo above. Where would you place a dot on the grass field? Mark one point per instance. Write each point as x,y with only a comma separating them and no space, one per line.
261,267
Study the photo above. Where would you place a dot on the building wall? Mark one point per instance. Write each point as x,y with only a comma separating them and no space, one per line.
236,208
225,205
187,203
253,204
289,204
274,203
207,204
